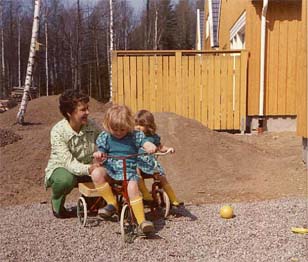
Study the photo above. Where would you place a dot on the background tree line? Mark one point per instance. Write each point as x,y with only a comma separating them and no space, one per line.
74,39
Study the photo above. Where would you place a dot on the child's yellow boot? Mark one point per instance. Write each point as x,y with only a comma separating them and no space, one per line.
106,193
137,206
144,191
174,201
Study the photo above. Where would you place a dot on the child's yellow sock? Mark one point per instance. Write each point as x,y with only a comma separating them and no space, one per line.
138,209
168,189
106,192
143,189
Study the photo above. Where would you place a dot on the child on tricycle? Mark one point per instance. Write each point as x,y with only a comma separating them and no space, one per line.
120,139
148,164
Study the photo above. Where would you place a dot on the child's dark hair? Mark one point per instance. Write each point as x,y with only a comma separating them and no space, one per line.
69,100
145,118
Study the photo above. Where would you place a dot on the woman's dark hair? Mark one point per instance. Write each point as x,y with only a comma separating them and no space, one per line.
145,118
69,100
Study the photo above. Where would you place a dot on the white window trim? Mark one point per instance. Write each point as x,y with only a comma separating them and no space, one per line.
238,26
237,33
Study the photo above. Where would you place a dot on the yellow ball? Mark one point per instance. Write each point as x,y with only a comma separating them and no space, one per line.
226,212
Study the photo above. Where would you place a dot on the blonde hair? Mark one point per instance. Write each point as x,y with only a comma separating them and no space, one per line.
118,116
146,119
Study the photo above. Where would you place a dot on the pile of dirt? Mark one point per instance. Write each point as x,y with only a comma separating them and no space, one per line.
42,111
212,166
7,136
207,167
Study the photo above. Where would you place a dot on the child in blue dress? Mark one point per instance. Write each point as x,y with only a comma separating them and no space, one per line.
144,121
120,139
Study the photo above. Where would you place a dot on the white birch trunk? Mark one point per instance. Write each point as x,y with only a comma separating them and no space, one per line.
19,64
155,34
26,94
108,63
111,49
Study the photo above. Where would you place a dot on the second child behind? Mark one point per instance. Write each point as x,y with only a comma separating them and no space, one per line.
144,121
120,139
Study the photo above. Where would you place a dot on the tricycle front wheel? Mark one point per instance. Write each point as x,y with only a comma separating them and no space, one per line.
128,224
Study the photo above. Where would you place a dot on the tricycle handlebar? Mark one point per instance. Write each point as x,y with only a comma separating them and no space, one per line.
170,150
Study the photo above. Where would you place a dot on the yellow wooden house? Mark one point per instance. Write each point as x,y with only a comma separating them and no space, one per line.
274,32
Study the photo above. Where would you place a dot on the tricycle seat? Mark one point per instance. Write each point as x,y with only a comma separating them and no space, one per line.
88,189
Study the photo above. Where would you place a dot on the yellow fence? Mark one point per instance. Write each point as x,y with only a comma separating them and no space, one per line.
209,87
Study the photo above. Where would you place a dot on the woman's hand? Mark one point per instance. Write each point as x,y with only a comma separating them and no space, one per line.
99,157
149,147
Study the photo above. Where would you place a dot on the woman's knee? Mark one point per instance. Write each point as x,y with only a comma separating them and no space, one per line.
62,181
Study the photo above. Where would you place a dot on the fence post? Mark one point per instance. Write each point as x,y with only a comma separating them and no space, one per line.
243,98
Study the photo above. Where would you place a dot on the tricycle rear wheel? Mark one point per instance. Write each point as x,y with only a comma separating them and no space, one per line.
82,212
163,202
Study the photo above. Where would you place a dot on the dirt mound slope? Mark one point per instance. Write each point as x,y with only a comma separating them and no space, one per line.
210,166
41,112
207,167
7,136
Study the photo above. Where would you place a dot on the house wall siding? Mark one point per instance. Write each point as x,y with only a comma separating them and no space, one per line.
230,11
301,78
282,51
282,57
253,43
286,49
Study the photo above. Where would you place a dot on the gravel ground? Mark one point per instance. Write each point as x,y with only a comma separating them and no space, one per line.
260,231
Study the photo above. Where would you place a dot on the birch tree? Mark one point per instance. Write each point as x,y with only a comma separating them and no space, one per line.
111,49
19,49
185,25
28,81
155,30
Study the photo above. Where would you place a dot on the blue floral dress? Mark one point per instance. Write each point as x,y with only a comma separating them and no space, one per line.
128,145
148,163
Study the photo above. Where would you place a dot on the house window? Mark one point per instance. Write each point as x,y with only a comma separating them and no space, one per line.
237,33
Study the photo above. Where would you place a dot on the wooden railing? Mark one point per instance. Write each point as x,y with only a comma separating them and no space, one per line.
208,86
